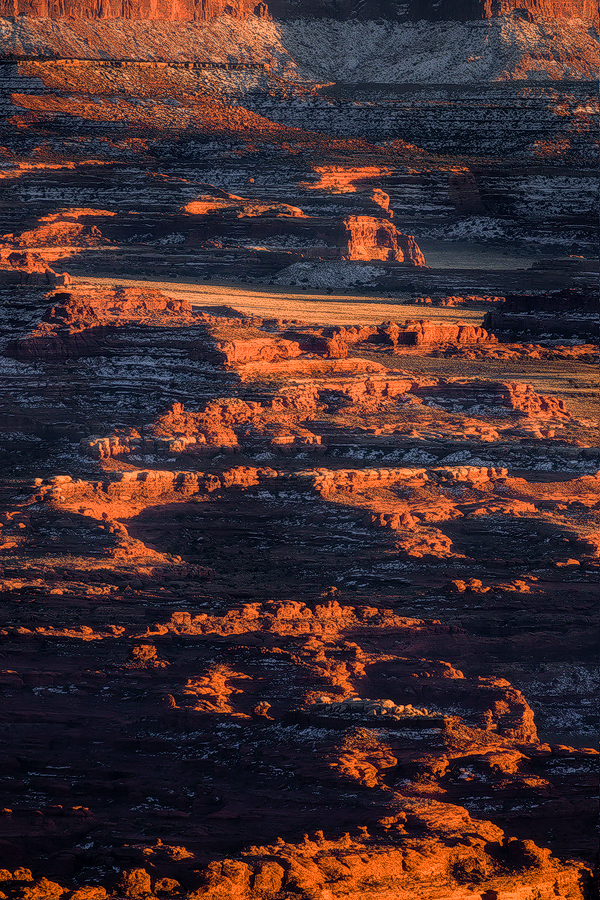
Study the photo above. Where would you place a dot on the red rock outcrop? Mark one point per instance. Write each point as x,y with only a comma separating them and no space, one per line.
221,670
401,865
370,238
186,11
28,268
523,398
463,10
183,619
425,335
414,503
423,332
173,10
138,488
80,320
333,342
61,233
63,228
282,420
218,201
278,421
380,198
218,214
228,345
225,424
514,395
344,180
176,600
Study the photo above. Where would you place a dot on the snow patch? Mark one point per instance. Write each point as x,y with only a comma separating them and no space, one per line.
336,275
384,52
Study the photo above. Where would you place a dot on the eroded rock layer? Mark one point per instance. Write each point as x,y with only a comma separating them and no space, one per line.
172,10
192,11
269,618
298,534
486,9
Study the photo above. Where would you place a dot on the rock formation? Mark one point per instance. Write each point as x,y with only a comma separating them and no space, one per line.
173,10
79,322
460,10
370,238
298,535
228,218
485,9
28,268
197,654
218,201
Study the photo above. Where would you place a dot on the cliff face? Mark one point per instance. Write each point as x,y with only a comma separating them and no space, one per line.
464,10
205,10
173,10
430,10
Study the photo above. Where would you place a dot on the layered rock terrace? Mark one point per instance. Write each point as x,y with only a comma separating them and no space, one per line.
298,534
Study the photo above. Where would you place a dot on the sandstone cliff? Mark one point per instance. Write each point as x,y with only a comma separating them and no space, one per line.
172,10
446,10
498,49
464,10
206,10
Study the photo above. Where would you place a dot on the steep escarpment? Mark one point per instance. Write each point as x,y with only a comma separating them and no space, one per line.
171,10
188,11
367,47
462,10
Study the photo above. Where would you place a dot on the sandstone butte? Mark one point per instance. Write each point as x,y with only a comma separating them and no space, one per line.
351,238
224,215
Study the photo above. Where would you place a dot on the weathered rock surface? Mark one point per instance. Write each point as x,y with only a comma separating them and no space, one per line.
218,201
227,219
69,227
370,238
80,321
181,10
245,531
392,50
173,10
484,9
28,269
414,334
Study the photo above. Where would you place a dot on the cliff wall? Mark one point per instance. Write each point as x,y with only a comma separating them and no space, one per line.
465,10
206,10
430,10
172,10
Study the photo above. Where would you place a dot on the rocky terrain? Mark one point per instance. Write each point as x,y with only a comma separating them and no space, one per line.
236,605
299,506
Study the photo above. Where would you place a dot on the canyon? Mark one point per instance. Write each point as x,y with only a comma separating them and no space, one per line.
299,428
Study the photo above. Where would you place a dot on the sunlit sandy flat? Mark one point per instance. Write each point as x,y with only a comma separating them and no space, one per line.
273,302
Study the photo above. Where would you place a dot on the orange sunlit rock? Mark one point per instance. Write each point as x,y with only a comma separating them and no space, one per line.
299,506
